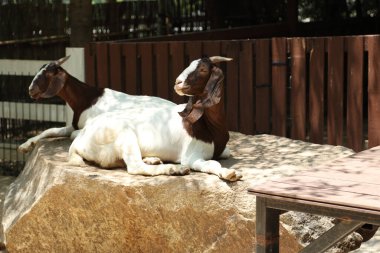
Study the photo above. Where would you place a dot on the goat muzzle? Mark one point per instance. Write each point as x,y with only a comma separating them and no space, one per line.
178,90
35,93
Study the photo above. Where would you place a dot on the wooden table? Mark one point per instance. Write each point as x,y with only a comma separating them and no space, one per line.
347,188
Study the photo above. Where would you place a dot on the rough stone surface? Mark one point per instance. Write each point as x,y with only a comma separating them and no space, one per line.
53,207
4,184
371,246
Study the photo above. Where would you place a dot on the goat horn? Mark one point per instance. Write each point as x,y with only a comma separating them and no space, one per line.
62,60
216,59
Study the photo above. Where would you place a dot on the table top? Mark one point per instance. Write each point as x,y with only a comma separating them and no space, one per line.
349,182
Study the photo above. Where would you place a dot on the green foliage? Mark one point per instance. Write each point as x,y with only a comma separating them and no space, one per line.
329,10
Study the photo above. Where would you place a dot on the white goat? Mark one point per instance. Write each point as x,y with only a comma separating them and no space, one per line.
86,101
191,137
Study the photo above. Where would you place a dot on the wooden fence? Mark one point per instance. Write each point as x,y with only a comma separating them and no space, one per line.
322,90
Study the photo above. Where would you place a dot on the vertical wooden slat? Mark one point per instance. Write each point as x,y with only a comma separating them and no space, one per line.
298,93
263,82
89,64
316,92
102,64
162,62
373,91
115,67
335,91
279,66
146,71
177,54
211,48
231,49
193,50
246,89
130,70
355,55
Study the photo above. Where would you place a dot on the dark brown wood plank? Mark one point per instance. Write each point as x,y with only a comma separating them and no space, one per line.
365,159
177,56
193,50
211,48
320,195
145,50
102,64
89,58
338,186
357,166
349,183
262,91
130,70
316,92
324,209
332,236
279,71
335,50
246,88
365,176
162,77
115,67
298,84
231,82
355,54
373,91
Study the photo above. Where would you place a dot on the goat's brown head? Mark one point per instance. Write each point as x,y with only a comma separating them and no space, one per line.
49,80
203,82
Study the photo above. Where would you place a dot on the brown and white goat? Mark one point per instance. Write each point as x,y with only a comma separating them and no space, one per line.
86,101
189,135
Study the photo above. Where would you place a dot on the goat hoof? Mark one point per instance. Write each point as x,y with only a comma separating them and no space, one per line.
152,160
185,170
25,147
231,175
180,170
76,160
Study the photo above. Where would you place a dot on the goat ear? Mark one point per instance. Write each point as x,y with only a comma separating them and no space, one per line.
214,87
193,111
55,85
62,60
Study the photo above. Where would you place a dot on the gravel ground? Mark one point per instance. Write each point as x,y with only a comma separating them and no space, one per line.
371,246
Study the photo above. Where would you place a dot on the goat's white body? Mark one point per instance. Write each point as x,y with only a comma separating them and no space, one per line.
145,132
114,101
157,133
111,101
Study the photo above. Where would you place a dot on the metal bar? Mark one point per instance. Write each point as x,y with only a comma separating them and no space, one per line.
13,110
8,152
332,236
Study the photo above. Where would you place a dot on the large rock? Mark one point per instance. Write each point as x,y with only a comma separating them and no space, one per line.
5,181
54,207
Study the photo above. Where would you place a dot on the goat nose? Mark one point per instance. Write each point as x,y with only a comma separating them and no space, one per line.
178,82
33,90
